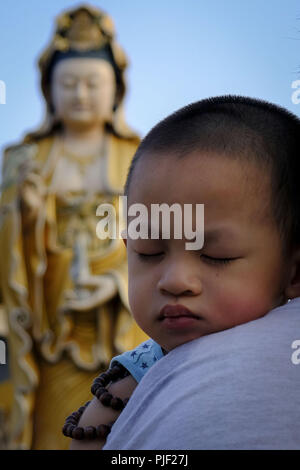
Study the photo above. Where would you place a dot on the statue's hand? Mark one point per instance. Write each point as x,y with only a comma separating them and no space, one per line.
32,189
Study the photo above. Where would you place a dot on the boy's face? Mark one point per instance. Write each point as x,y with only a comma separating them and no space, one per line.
238,275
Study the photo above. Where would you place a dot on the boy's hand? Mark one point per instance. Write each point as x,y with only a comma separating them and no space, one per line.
96,413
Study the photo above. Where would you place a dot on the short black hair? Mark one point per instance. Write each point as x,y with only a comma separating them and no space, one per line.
244,128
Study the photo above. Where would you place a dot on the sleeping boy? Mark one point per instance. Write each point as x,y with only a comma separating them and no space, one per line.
240,158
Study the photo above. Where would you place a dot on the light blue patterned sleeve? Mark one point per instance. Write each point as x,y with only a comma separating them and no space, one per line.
139,360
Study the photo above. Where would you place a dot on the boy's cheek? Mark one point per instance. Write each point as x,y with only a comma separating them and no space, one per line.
137,293
241,307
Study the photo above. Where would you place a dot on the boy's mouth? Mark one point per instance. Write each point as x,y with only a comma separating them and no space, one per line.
176,311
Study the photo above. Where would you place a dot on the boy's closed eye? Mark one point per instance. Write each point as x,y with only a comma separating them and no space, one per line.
206,258
213,260
150,257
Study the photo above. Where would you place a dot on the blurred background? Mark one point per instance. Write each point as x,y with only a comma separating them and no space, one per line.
179,51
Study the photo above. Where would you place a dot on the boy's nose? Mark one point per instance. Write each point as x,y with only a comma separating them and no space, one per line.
179,281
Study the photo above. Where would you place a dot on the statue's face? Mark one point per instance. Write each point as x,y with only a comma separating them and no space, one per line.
83,91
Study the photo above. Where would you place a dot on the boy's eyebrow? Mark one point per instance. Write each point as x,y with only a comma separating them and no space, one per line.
210,236
214,235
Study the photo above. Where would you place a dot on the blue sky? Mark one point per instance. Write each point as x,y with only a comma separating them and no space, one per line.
180,51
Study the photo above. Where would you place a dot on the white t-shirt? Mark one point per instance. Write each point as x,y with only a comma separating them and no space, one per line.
236,389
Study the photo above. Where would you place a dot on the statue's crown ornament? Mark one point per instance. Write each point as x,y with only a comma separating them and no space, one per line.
83,29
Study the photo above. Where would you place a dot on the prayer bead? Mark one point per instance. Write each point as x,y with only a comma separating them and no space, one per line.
106,399
90,432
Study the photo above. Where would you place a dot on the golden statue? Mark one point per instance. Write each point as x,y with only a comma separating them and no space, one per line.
64,290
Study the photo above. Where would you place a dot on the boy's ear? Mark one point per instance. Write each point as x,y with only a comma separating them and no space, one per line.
293,288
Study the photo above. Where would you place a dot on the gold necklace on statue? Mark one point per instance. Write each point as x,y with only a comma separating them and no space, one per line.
82,160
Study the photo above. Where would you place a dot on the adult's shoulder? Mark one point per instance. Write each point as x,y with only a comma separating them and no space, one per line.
262,347
235,389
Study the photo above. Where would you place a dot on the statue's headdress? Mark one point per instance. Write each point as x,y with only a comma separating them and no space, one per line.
84,32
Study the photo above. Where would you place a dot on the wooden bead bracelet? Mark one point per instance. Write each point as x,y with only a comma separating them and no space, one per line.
71,428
